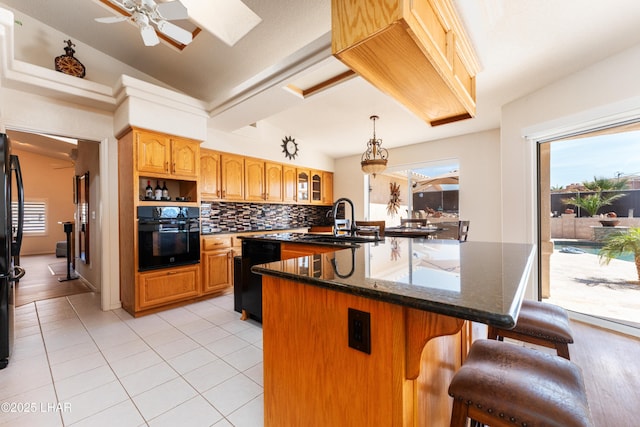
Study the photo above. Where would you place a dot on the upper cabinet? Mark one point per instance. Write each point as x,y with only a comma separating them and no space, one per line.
415,51
289,184
221,176
263,180
303,185
231,177
160,154
273,182
210,186
254,179
327,188
316,187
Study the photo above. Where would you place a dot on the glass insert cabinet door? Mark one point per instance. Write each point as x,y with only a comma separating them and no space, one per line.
303,186
316,187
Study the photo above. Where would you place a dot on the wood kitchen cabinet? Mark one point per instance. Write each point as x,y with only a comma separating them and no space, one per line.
210,185
235,178
263,180
232,177
161,287
289,184
303,185
152,156
273,181
217,264
316,187
222,176
160,154
415,51
327,188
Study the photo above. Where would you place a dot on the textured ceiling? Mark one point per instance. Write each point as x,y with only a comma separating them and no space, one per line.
521,46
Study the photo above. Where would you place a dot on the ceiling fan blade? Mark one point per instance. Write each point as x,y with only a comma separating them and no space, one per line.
173,10
112,19
173,31
228,20
149,36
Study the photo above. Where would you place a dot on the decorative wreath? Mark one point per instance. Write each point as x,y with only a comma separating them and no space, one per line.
394,199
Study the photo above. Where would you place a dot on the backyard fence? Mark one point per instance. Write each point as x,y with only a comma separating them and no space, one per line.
622,207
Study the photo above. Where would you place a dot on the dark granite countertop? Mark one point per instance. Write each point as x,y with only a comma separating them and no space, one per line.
208,232
478,281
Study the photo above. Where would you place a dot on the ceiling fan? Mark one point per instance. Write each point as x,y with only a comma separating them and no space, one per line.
147,13
228,20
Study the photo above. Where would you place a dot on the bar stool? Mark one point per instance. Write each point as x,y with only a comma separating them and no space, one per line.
502,384
539,323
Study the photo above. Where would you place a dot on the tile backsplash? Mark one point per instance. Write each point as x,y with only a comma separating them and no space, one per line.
220,217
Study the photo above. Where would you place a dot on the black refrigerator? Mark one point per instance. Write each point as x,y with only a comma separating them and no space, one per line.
10,240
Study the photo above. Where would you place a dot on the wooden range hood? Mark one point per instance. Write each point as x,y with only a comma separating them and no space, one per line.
414,50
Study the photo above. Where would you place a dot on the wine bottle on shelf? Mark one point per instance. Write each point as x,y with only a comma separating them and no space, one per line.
158,191
148,192
165,191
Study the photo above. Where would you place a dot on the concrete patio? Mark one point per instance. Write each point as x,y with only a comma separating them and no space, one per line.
580,283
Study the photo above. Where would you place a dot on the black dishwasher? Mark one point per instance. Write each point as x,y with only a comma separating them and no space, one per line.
255,252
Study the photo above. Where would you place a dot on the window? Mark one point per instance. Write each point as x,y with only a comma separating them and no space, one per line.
429,190
35,217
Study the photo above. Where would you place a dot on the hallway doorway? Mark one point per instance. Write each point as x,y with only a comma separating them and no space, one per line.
63,174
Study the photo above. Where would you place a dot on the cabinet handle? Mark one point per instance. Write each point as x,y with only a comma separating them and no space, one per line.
224,193
166,166
218,193
171,272
174,167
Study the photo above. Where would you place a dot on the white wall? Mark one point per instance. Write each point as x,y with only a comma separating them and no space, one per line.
480,182
265,142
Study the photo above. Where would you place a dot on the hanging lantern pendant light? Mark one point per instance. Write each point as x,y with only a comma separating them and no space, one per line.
374,159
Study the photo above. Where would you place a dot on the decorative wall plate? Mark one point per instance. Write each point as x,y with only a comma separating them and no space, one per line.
68,64
289,147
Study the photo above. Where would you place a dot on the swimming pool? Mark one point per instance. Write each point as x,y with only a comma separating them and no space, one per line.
590,248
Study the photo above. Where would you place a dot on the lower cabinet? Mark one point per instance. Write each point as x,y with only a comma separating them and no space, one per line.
161,287
217,271
217,264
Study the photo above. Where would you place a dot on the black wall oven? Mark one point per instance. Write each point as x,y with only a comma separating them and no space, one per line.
168,236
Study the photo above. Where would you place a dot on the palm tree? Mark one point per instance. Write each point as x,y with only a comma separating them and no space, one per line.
606,184
618,243
592,202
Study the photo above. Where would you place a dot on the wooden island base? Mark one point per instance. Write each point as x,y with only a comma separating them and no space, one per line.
313,378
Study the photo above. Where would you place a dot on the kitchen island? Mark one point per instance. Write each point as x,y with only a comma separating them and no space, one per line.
371,335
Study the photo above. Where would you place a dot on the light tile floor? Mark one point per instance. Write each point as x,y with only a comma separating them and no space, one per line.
75,365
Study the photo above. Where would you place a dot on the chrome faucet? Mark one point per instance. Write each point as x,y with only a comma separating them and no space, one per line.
350,226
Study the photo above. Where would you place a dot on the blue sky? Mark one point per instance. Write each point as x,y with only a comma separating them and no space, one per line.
579,160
